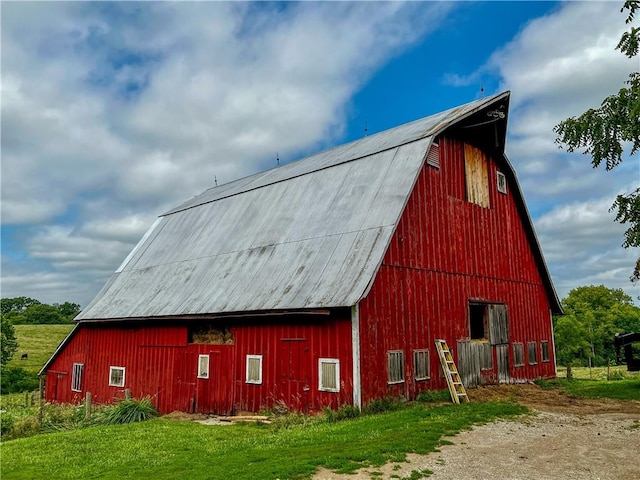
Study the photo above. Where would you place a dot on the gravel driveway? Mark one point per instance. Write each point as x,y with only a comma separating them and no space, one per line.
566,438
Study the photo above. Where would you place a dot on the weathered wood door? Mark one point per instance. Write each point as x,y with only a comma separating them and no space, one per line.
499,338
486,360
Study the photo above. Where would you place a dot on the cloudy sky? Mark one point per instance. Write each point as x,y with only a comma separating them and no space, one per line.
112,113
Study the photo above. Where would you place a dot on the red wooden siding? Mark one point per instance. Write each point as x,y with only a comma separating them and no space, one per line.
446,252
161,363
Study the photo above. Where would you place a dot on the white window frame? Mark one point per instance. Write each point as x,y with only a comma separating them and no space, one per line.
203,372
391,354
76,377
425,352
112,369
501,182
257,381
333,361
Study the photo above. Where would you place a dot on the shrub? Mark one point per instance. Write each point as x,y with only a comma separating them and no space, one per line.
128,411
343,413
17,380
617,375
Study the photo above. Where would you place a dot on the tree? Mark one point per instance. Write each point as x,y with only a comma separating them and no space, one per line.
43,313
8,342
602,132
17,304
68,310
594,314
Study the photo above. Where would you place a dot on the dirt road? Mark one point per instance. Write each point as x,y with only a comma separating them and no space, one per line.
567,438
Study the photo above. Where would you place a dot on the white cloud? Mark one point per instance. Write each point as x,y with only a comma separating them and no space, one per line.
114,112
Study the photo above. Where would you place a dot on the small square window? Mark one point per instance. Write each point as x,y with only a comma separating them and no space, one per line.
532,353
544,350
116,376
254,369
329,375
421,367
76,377
203,366
518,354
395,360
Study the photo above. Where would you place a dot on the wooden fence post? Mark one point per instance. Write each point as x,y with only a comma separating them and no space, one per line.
87,405
41,408
127,393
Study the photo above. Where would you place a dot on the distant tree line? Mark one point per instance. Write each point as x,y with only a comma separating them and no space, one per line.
25,310
593,315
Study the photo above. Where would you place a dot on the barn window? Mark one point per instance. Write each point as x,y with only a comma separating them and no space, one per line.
76,377
329,376
476,171
544,350
501,182
478,321
532,353
518,354
254,369
116,376
395,360
203,366
421,364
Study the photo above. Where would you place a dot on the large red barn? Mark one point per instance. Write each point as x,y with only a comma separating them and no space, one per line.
326,281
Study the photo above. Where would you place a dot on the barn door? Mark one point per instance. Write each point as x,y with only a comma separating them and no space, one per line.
213,381
499,338
468,363
294,373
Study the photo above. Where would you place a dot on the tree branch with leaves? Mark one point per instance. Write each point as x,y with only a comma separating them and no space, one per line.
603,133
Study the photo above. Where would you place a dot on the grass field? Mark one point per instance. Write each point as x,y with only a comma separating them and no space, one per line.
598,373
38,342
168,449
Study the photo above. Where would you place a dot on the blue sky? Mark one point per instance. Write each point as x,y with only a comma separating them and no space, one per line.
112,113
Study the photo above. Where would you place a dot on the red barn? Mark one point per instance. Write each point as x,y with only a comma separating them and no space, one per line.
326,281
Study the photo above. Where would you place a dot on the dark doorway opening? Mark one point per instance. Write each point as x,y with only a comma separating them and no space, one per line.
478,321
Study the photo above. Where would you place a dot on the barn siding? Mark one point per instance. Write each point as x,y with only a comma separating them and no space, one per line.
160,362
445,252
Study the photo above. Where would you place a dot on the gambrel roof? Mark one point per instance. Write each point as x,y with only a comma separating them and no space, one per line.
306,235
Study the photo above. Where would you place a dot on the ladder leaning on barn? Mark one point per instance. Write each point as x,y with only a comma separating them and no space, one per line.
456,388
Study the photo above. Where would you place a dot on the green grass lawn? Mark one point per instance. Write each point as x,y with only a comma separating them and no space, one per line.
39,342
168,449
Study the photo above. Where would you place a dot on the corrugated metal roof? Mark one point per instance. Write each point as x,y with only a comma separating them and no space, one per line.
309,234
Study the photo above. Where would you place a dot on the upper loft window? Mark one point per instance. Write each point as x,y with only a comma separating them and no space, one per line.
476,173
478,321
501,182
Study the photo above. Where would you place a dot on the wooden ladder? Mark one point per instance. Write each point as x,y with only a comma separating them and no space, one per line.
456,388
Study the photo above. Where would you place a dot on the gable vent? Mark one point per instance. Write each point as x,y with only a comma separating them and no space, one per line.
433,157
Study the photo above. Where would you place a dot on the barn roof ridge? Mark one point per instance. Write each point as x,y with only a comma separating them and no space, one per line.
452,115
